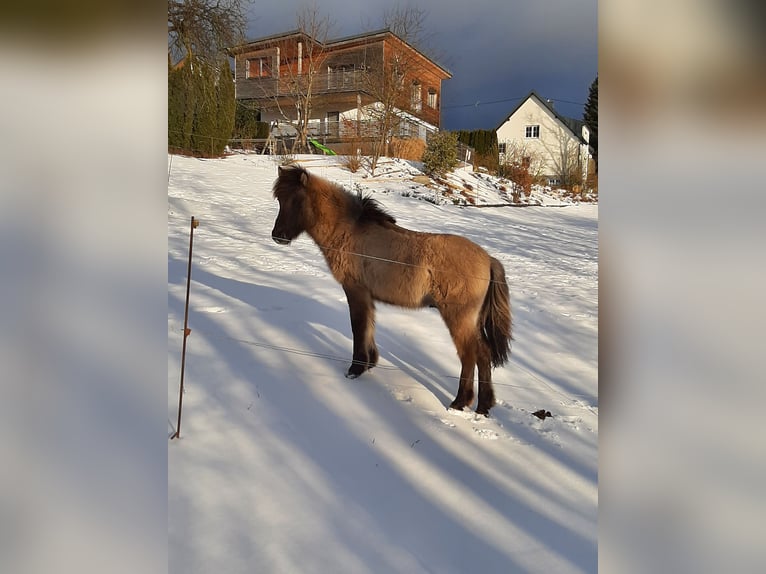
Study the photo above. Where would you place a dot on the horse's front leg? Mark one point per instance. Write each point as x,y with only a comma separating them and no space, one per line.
362,311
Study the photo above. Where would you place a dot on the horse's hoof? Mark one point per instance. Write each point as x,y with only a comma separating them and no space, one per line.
455,406
355,370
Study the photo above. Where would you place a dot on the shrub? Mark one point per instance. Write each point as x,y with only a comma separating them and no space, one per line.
520,176
247,124
440,156
351,162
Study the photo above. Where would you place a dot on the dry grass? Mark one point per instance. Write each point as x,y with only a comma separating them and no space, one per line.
408,148
351,162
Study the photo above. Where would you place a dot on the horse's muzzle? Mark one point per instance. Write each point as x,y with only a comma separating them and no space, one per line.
280,240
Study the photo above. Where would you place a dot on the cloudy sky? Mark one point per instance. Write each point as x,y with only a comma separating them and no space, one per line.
497,50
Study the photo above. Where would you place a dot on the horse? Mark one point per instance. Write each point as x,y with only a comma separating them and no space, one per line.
375,260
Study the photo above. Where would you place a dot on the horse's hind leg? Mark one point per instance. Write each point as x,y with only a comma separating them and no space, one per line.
486,393
362,311
465,336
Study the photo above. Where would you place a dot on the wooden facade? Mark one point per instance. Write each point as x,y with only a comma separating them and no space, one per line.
347,76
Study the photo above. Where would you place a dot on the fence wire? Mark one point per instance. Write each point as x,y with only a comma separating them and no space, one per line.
353,253
303,352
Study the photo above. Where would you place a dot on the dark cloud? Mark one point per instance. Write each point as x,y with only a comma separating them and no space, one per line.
497,52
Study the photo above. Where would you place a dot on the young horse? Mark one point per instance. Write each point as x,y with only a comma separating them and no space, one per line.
376,260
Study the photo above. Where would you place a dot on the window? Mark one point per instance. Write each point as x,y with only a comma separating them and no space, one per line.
432,98
258,68
532,131
501,147
417,98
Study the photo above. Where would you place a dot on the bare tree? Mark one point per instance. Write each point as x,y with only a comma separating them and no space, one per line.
522,165
393,85
202,29
299,64
565,158
316,28
520,154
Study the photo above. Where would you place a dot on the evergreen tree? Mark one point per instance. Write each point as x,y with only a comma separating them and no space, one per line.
200,100
200,107
226,103
440,155
484,143
590,117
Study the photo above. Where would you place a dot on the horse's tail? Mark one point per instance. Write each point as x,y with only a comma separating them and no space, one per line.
495,321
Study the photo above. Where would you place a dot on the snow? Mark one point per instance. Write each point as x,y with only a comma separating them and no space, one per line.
284,465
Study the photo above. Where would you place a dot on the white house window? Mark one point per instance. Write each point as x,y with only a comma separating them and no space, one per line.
532,131
501,147
417,97
431,98
258,68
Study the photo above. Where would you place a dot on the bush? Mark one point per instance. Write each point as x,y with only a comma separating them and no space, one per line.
440,156
351,162
200,108
247,124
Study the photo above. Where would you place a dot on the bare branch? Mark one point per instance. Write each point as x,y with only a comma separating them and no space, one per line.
204,28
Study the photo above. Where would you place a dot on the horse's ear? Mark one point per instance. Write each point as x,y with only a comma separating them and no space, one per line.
280,171
304,178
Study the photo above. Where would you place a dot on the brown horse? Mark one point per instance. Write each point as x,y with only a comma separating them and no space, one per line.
376,260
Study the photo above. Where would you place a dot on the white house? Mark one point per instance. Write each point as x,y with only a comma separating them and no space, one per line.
553,146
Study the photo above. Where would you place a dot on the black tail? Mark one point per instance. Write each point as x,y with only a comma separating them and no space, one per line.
496,318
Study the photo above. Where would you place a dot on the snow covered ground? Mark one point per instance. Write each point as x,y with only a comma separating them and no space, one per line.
284,465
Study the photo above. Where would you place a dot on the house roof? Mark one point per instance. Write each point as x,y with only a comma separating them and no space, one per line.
573,125
240,48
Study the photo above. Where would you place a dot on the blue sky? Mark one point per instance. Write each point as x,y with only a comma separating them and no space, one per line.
497,51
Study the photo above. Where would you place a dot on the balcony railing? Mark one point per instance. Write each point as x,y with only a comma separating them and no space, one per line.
338,81
365,129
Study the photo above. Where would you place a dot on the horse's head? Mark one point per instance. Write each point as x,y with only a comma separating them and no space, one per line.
294,209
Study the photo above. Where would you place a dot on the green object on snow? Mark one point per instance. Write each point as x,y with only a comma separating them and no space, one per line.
319,146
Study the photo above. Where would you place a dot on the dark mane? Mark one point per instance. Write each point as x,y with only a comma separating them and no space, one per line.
366,210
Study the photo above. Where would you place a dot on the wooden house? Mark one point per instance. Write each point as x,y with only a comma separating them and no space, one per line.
348,79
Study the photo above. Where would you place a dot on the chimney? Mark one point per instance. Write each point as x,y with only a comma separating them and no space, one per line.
550,103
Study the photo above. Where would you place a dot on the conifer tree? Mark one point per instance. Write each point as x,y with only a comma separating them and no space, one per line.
590,117
200,100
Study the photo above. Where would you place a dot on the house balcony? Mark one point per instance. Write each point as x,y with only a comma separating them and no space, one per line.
326,83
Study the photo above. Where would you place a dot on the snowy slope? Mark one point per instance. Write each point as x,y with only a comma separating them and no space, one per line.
284,465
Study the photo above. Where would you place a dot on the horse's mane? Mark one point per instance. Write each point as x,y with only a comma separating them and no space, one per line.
362,209
367,210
